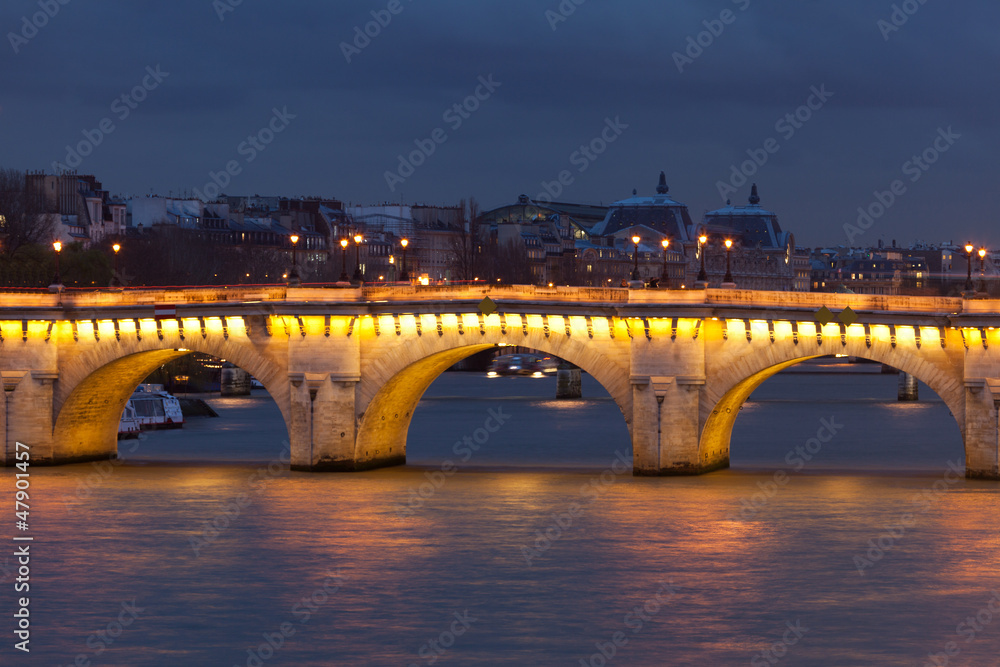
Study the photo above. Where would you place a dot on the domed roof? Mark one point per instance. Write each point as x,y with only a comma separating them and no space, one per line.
754,225
659,212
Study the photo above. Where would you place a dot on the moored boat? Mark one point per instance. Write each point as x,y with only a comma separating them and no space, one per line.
155,408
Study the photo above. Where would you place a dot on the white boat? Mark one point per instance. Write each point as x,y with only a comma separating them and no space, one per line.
128,425
155,408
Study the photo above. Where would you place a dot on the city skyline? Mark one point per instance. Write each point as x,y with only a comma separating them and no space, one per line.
577,102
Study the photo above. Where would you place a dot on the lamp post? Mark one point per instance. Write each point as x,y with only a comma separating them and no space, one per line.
968,280
635,257
56,285
115,280
343,260
405,275
665,278
702,277
729,273
982,269
293,275
357,257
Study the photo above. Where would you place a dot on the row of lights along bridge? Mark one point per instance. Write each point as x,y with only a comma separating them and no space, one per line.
702,276
293,274
294,279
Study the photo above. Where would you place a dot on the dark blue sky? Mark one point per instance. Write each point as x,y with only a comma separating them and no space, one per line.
892,91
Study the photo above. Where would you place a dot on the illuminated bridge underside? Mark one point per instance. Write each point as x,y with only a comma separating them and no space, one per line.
347,367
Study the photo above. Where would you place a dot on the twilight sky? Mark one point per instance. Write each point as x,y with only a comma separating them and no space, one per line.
558,75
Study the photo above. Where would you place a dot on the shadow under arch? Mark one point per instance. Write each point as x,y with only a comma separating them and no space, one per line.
86,425
384,425
718,429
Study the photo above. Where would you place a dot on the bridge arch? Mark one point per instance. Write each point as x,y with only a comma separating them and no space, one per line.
393,381
92,389
734,382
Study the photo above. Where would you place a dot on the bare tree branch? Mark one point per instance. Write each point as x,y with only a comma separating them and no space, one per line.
22,214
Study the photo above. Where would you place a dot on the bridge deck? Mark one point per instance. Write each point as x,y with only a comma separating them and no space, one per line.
619,302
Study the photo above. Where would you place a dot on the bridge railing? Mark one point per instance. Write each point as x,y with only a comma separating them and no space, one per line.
836,301
110,298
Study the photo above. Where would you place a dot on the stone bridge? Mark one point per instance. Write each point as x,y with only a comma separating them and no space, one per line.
347,367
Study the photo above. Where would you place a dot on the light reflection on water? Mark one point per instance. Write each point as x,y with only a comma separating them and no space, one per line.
403,577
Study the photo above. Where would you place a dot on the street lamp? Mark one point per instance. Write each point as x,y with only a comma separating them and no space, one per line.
405,275
982,269
635,256
729,273
56,285
665,278
343,260
115,280
702,240
357,257
293,275
968,280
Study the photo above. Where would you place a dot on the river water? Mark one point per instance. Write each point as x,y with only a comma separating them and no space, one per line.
537,551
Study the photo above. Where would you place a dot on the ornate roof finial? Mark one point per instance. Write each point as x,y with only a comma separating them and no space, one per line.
635,191
662,188
754,199
729,202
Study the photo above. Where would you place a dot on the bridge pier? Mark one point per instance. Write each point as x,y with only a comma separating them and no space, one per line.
26,417
982,429
665,429
568,381
909,388
323,435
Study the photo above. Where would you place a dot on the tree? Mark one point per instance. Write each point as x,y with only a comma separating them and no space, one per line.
512,266
23,219
467,244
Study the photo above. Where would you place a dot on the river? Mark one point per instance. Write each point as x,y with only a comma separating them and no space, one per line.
840,536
